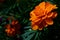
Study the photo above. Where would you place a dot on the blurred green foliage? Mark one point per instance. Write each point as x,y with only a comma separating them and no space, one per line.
20,10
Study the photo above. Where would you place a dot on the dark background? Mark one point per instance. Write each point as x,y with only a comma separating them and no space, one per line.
20,10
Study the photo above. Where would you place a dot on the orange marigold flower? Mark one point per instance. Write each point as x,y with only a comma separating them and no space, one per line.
14,22
13,28
10,31
42,15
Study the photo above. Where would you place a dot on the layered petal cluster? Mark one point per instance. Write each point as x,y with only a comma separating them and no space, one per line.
42,15
13,28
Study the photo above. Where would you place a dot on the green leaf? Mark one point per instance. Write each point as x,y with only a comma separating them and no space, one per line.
0,27
27,33
36,36
30,36
3,23
27,27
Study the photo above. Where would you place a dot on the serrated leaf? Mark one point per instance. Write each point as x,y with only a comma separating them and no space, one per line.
0,27
27,27
27,33
30,36
3,23
36,36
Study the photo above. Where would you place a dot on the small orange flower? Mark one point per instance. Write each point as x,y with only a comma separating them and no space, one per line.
14,22
13,28
42,15
10,31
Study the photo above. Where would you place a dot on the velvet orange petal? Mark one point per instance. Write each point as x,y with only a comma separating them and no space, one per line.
49,21
16,22
35,27
41,26
42,6
33,17
39,10
13,22
50,7
44,17
7,26
44,23
50,15
7,30
54,15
